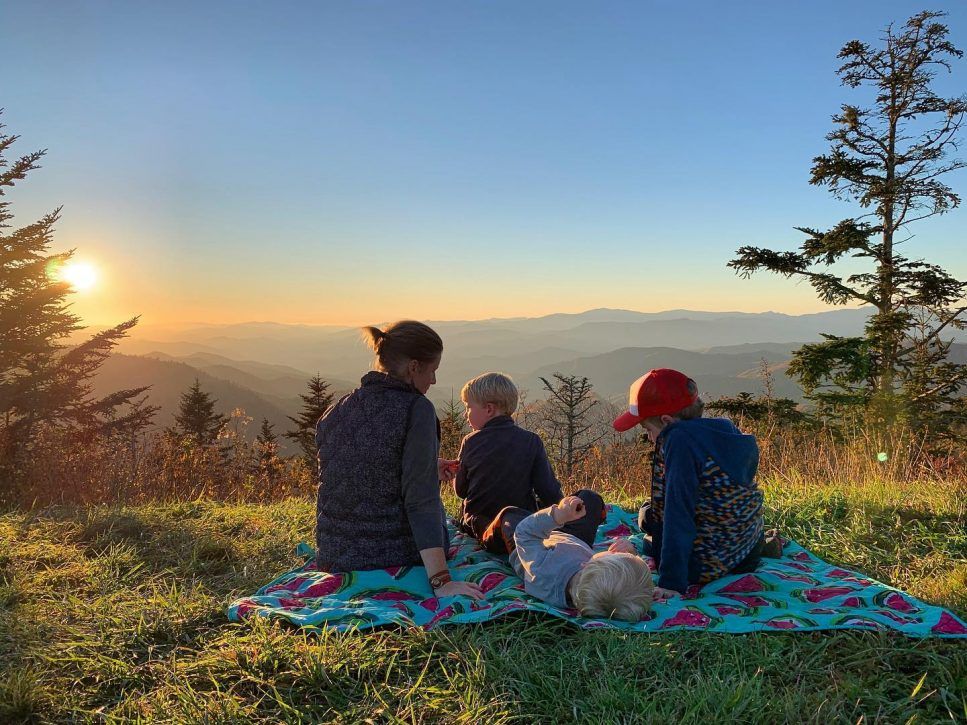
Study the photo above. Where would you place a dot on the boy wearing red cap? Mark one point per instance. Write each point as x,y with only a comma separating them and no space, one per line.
705,513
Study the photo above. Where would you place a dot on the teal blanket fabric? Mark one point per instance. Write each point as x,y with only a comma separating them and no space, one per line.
798,592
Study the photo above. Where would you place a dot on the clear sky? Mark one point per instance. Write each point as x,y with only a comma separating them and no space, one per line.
351,162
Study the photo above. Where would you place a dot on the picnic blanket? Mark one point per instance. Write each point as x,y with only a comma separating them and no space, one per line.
797,592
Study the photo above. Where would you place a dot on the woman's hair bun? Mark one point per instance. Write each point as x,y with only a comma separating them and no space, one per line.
401,342
374,337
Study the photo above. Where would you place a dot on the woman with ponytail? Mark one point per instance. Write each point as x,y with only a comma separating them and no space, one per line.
379,503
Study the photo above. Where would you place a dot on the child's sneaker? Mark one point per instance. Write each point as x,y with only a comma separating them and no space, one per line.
771,545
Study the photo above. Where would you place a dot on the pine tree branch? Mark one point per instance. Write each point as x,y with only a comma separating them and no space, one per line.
949,384
935,333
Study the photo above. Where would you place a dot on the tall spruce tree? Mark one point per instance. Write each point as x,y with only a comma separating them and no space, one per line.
44,381
196,419
889,158
314,404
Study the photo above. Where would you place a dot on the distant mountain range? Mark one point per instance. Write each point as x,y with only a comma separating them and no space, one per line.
527,343
264,366
169,379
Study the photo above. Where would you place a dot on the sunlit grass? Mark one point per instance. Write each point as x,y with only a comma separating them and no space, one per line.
118,613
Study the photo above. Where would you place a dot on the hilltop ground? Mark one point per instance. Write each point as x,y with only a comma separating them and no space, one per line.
118,614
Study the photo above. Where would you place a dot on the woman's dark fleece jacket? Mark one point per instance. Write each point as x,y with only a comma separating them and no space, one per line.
378,502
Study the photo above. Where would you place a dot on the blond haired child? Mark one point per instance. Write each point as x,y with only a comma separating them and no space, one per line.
551,552
500,464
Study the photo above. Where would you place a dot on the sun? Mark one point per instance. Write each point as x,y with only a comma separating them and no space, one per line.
82,276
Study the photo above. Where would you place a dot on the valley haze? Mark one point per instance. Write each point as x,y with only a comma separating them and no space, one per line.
262,367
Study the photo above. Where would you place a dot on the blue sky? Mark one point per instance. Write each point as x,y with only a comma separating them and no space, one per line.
360,161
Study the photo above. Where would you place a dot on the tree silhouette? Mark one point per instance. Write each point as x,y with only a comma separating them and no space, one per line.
567,419
314,404
267,438
453,428
196,419
781,411
268,462
888,158
44,381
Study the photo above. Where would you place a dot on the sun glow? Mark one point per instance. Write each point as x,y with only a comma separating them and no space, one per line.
82,276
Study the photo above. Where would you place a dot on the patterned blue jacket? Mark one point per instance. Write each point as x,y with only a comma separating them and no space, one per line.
706,506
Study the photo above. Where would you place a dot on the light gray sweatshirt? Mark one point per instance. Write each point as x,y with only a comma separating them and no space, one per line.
546,559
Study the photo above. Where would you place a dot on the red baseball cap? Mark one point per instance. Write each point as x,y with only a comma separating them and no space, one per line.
658,392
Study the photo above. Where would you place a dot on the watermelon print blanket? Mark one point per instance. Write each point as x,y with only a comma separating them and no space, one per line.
797,592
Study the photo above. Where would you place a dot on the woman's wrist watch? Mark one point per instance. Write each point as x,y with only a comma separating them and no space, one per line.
440,578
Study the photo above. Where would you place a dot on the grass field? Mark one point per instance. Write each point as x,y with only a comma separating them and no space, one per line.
118,615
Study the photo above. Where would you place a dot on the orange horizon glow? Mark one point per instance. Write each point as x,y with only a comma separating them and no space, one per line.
175,296
198,317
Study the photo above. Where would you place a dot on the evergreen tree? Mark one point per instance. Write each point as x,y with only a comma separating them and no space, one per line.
196,419
567,419
453,428
43,380
888,158
267,451
267,438
782,411
314,404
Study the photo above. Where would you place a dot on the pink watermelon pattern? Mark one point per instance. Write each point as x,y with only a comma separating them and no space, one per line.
754,600
244,607
693,591
949,624
798,578
858,621
292,585
894,616
798,592
328,584
747,583
492,580
620,531
821,594
691,617
897,602
789,621
431,605
397,572
391,595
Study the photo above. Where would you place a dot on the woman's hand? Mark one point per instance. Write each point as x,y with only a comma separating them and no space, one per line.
447,469
622,546
459,589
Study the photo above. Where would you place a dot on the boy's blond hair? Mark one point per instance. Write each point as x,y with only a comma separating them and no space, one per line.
495,388
616,586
